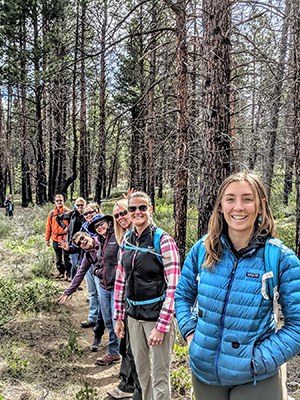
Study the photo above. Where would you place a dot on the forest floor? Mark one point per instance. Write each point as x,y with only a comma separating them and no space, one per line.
46,355
56,371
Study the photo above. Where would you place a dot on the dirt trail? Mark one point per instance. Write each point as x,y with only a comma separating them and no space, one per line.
51,374
51,371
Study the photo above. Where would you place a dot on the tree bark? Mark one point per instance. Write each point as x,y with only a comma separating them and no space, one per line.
101,177
216,98
182,128
296,32
150,124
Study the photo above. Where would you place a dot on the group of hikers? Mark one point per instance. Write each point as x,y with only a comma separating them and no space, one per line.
224,298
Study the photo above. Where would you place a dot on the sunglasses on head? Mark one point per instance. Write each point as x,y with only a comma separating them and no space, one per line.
120,214
100,223
80,240
88,213
142,207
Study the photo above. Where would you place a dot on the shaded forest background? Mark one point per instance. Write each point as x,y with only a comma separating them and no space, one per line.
161,95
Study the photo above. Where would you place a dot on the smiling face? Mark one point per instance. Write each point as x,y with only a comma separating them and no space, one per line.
140,213
80,206
85,242
122,217
88,214
239,205
101,228
59,201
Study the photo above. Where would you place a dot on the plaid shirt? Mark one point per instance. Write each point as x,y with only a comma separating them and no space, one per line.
171,264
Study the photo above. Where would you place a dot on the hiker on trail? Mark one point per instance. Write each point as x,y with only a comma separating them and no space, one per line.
129,385
75,219
90,210
9,206
56,233
147,274
105,271
103,260
90,245
234,347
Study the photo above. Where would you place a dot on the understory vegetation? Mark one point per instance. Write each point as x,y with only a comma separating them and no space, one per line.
40,348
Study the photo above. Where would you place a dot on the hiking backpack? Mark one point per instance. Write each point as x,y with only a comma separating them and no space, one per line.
157,234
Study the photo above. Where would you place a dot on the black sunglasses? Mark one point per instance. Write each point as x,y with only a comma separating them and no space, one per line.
100,223
121,214
88,213
58,201
80,240
142,208
79,205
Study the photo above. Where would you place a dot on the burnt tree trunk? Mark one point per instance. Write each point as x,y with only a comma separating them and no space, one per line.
182,127
84,152
296,32
41,185
150,124
216,98
101,177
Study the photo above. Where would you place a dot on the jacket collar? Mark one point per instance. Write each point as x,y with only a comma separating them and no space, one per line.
255,243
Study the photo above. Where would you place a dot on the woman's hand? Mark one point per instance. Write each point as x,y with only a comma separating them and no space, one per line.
156,337
63,298
119,329
189,339
64,245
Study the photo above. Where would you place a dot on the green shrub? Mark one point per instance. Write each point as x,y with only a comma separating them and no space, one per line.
87,393
5,226
39,225
34,296
43,266
16,365
287,233
181,380
72,344
8,299
38,295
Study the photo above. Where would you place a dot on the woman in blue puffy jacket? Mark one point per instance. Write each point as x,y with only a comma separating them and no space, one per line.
223,306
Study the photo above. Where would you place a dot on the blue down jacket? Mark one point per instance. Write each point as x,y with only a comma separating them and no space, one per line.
234,338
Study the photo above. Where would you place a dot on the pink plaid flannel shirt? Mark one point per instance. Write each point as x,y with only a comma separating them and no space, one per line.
171,262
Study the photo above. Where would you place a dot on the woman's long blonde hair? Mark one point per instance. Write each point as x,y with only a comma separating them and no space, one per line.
119,231
217,222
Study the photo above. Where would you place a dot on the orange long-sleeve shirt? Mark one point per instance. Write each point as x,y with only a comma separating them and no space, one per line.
54,231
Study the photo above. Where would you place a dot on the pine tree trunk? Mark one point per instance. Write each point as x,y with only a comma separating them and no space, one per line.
216,98
296,15
41,194
101,177
150,124
182,127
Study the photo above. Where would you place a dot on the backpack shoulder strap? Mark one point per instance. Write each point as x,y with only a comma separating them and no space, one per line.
125,238
201,255
156,243
156,235
272,254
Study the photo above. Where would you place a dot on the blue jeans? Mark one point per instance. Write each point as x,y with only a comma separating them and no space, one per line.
92,283
74,259
107,309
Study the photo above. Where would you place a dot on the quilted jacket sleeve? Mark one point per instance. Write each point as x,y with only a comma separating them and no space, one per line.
284,344
186,292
